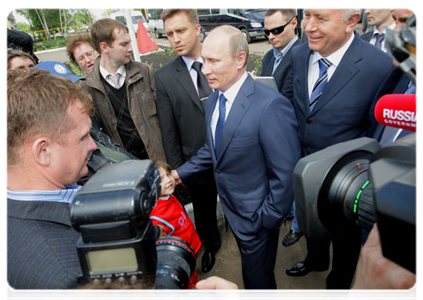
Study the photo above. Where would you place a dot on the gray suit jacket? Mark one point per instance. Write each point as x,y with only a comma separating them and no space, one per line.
41,251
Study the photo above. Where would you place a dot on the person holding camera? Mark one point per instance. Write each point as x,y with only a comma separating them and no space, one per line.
48,144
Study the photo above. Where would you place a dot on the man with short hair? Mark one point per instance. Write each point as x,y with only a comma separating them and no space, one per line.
182,92
123,92
279,27
48,143
252,147
19,59
338,79
380,19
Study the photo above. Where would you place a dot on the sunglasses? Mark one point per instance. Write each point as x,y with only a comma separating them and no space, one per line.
277,30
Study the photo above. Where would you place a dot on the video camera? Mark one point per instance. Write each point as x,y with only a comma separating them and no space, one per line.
117,241
357,183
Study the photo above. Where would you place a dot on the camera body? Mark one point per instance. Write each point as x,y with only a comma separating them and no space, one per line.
357,183
118,242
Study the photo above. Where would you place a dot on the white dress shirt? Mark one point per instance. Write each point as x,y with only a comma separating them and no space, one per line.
230,95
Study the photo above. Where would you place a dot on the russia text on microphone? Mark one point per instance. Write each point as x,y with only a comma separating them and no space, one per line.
399,117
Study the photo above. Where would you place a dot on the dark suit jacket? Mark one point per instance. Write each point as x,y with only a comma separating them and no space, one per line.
367,36
282,72
258,151
181,113
41,246
345,110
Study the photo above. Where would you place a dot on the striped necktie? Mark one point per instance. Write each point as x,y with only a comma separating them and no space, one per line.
321,82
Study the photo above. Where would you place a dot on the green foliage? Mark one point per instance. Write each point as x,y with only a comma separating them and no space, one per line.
23,26
74,69
52,44
258,65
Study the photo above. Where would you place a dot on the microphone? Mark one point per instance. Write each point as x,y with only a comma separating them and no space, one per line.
397,110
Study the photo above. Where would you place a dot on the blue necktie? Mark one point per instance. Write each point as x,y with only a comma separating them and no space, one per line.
220,123
379,39
321,82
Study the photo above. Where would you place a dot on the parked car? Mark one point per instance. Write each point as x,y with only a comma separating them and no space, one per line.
136,15
249,21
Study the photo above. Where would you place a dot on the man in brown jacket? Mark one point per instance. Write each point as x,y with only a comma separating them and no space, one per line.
123,92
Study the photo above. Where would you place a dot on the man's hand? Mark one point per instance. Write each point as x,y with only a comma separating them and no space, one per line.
215,283
176,177
374,271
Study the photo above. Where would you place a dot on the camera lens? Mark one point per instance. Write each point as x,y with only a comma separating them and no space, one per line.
175,263
346,197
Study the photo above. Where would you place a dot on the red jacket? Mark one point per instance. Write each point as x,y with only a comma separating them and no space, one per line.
170,213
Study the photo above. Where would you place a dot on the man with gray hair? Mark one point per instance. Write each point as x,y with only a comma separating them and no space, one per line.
252,146
338,79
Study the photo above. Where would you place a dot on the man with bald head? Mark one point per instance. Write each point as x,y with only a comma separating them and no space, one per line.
380,19
252,147
338,79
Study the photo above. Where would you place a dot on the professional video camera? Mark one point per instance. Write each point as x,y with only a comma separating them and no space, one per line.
357,183
117,242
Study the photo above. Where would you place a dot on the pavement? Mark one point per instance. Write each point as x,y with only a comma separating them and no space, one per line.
228,260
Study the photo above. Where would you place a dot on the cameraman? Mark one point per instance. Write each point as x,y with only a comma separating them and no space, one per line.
376,272
48,143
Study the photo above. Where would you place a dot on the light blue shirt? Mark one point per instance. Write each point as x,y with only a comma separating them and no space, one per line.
280,54
63,196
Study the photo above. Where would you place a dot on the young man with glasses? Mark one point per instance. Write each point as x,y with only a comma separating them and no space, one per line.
279,27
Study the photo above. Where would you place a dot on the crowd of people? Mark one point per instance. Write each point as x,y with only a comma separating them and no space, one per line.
222,134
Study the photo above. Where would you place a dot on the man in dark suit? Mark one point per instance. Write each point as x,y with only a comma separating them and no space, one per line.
180,101
380,19
279,26
337,80
48,146
252,147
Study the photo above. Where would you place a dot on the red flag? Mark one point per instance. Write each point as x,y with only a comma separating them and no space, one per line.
144,40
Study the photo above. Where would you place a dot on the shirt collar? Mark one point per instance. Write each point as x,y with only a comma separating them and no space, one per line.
336,57
65,196
392,26
285,50
105,73
189,61
231,93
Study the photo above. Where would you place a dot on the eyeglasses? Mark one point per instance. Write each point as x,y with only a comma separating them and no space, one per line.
277,30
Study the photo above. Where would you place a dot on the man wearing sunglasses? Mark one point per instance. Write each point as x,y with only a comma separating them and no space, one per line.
279,27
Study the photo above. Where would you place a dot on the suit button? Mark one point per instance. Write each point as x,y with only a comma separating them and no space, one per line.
217,171
308,121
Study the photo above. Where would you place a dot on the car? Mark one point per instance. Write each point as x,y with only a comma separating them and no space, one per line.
249,21
136,15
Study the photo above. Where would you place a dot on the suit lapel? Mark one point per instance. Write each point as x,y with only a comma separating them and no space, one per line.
211,103
184,79
346,70
238,110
